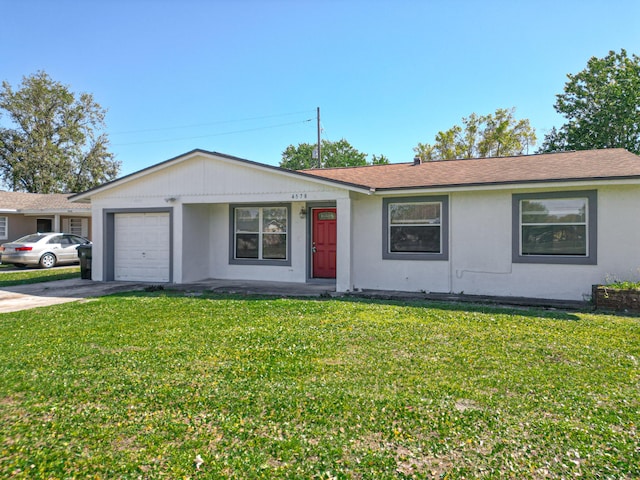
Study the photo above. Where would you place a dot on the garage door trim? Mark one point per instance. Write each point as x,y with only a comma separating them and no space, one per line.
109,238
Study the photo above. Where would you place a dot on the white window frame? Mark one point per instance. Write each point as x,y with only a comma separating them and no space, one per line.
76,226
4,227
259,261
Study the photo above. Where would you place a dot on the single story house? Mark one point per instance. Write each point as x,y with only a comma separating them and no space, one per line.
541,226
25,213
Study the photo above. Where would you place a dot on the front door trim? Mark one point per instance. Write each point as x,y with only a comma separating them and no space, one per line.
309,208
324,238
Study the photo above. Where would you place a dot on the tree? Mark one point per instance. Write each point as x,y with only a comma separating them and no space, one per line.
493,135
334,154
379,160
55,145
601,105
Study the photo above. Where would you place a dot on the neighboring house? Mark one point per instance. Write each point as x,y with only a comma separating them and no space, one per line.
545,226
24,213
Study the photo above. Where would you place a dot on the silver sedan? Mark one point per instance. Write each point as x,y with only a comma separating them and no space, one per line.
44,249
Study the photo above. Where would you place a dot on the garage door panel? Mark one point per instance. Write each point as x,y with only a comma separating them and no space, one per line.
142,247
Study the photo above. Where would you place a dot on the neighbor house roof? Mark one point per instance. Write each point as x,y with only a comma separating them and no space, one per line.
607,164
21,202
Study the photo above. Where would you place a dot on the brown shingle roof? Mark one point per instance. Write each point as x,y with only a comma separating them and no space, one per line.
22,201
550,167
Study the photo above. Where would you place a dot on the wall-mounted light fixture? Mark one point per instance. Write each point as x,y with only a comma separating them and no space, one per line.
303,212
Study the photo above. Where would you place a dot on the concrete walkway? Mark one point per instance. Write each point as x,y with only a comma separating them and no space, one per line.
24,297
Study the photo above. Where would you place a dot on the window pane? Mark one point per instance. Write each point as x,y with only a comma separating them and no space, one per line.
400,213
274,220
561,210
554,240
274,246
415,239
247,219
326,215
247,245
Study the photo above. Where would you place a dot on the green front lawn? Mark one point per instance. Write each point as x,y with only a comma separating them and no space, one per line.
36,275
136,386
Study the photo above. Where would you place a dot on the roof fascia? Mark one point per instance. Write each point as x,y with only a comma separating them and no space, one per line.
57,211
560,183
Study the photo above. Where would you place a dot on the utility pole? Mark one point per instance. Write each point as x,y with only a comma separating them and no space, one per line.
319,151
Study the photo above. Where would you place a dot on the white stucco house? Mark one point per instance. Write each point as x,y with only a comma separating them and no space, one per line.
540,226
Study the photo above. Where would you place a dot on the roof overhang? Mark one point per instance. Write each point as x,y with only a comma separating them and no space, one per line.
562,183
61,211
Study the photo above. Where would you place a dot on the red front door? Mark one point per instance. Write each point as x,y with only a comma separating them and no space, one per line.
324,242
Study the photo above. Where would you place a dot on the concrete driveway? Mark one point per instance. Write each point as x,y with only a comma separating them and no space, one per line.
24,297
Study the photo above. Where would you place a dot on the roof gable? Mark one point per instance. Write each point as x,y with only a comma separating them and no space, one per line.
200,174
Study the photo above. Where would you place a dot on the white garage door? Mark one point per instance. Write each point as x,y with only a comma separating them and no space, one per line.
141,247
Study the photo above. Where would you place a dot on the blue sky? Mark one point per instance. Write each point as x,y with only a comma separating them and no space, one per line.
244,77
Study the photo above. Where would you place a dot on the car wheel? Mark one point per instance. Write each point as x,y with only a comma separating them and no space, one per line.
48,260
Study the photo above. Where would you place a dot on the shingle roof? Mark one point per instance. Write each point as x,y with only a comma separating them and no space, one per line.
22,201
552,167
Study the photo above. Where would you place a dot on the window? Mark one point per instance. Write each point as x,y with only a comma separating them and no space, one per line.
555,227
75,226
4,228
415,228
260,235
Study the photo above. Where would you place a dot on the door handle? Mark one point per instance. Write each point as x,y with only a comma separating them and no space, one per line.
313,249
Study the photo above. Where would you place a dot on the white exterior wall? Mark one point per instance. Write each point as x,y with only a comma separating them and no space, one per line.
200,188
370,271
480,249
199,191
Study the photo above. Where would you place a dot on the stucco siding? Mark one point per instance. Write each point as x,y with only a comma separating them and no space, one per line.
480,251
370,271
619,233
18,226
205,180
196,243
221,268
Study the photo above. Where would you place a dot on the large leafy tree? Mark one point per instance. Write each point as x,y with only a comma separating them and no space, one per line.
495,135
601,105
55,142
334,154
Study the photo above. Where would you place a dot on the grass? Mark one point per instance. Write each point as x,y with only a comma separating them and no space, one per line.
22,277
138,385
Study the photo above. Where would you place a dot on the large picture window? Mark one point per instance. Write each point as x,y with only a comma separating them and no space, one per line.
260,234
415,228
555,227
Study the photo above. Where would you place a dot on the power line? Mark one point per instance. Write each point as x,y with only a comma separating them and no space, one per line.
212,134
220,122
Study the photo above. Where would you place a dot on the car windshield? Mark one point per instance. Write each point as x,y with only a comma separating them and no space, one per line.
33,238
